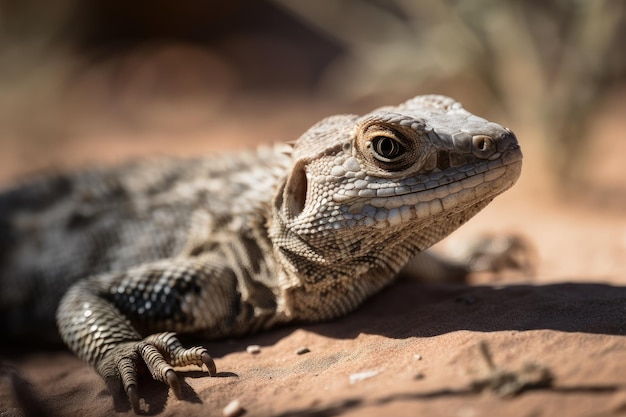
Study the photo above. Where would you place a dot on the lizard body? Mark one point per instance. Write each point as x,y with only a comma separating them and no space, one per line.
223,246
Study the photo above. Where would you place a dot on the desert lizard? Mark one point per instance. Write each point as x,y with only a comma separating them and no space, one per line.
223,246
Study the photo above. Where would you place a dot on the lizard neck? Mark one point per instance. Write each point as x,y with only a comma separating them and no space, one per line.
315,288
343,283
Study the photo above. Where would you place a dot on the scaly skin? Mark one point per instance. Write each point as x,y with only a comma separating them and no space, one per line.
232,245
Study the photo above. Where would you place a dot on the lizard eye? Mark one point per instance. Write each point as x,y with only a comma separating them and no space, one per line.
387,149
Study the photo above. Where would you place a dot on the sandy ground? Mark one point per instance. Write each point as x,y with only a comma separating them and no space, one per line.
414,348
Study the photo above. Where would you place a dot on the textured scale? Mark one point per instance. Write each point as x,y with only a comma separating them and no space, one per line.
233,244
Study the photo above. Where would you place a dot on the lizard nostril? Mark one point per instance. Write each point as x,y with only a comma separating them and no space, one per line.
483,146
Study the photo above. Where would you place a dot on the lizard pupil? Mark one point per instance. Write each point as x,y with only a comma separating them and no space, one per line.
387,148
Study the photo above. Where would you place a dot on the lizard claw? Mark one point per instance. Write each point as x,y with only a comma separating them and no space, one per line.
174,383
208,361
133,397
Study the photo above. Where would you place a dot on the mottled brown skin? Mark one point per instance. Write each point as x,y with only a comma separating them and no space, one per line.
228,245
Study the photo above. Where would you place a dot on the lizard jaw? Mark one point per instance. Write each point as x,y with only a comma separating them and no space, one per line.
431,194
450,197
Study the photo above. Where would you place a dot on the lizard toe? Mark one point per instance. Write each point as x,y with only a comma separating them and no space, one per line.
127,370
169,345
157,364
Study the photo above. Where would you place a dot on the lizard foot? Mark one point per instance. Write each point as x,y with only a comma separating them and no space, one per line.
498,253
160,352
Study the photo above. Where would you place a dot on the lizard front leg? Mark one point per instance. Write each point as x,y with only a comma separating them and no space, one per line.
104,319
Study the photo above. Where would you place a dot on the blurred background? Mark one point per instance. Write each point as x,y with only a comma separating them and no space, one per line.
98,81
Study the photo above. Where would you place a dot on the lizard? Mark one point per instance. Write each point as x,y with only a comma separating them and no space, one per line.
134,255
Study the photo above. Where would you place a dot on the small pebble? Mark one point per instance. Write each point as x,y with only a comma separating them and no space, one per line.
417,357
233,409
253,349
302,351
360,376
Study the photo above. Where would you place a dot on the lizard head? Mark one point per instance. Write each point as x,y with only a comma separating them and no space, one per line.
379,188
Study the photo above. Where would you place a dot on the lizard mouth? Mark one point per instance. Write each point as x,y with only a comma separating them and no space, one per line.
436,190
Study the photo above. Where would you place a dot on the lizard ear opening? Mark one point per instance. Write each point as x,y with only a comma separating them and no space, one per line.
295,191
